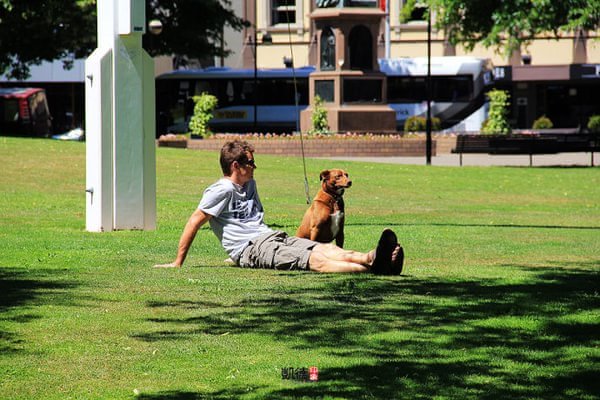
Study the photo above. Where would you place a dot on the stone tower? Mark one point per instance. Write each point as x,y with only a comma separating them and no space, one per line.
347,78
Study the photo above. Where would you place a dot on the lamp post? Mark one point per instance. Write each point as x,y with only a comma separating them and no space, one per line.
255,91
429,90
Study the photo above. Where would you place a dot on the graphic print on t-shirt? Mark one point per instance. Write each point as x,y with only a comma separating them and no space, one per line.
243,209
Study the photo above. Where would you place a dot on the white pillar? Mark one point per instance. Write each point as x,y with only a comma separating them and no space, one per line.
120,124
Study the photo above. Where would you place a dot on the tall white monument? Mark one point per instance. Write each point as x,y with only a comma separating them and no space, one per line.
120,124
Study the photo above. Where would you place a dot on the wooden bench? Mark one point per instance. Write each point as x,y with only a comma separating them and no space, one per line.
527,144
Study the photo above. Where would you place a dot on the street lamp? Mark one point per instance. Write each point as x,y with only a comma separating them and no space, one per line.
255,91
429,90
155,27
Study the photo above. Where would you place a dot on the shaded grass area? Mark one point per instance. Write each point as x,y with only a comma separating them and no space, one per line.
499,298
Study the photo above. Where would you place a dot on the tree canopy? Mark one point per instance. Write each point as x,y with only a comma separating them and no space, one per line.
508,24
34,31
191,28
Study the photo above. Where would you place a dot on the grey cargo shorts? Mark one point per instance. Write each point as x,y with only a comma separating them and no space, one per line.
277,250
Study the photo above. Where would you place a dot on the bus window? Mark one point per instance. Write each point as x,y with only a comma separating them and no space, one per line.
230,93
406,90
247,92
201,87
452,88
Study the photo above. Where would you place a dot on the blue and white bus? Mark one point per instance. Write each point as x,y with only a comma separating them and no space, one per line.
458,85
274,104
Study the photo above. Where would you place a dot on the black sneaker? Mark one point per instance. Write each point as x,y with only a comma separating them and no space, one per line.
382,261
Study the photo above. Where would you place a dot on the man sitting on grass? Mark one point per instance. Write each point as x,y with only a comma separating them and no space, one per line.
233,209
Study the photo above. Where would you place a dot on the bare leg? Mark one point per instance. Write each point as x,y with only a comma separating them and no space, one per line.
330,258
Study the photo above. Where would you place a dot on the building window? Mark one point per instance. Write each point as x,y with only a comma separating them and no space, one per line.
413,11
325,90
362,90
360,43
283,12
361,3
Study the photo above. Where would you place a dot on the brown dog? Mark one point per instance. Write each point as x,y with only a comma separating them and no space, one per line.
324,219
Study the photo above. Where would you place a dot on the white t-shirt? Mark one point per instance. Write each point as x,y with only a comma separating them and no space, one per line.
237,214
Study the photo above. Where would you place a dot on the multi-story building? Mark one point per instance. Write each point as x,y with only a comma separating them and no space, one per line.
558,77
279,22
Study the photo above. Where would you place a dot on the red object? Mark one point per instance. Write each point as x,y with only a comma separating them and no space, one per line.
382,5
313,374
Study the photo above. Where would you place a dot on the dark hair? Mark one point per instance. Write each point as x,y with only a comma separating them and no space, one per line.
236,150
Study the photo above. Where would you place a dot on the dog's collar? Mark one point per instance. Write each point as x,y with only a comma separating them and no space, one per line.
334,200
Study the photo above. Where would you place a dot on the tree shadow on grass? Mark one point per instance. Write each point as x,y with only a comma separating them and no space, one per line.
232,393
535,337
19,291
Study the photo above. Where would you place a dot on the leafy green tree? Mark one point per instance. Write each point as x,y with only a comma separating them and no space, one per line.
594,124
37,30
508,24
34,31
191,28
204,106
497,121
320,124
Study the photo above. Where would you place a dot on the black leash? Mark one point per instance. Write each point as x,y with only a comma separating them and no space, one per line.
306,190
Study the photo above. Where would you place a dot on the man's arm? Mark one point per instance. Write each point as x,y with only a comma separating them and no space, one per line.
195,222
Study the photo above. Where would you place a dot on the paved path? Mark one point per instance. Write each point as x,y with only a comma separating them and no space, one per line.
561,159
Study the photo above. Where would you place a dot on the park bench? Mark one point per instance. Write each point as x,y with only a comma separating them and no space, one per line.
528,144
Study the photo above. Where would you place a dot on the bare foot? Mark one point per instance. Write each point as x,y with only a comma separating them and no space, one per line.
371,257
397,260
171,265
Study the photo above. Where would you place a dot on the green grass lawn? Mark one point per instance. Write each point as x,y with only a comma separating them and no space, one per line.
499,298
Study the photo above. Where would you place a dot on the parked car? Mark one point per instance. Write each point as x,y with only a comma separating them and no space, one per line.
24,112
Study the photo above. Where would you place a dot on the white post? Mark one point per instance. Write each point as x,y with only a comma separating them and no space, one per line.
120,124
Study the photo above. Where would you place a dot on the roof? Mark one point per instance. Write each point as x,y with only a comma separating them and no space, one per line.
18,92
226,72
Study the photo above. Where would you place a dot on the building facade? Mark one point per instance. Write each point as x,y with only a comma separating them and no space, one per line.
556,77
281,22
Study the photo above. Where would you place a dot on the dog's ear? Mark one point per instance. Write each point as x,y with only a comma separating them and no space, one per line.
324,175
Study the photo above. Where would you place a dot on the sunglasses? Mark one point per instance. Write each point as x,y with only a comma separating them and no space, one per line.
250,163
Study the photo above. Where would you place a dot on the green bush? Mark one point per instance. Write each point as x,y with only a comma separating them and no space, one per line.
204,106
320,125
594,123
542,122
418,123
497,121
484,124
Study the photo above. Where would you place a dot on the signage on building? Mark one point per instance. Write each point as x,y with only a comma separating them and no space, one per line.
585,71
503,73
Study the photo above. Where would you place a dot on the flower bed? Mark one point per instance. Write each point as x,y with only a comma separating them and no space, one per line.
171,140
349,145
